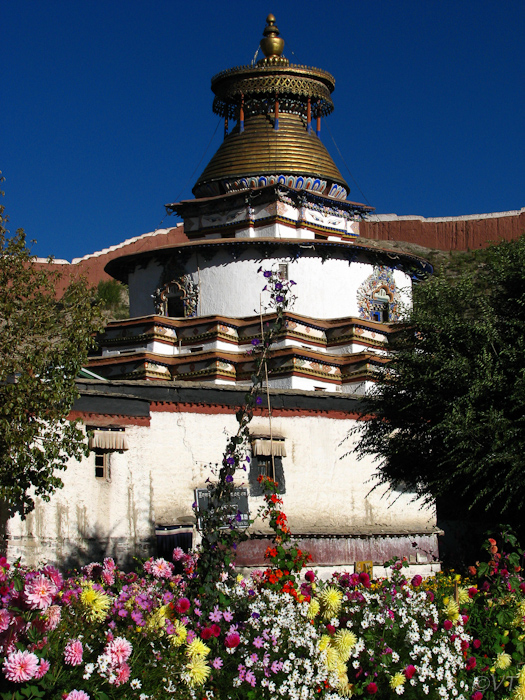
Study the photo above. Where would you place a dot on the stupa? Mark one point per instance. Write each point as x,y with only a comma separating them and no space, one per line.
176,370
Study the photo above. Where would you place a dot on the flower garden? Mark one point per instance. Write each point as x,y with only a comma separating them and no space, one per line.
194,628
280,633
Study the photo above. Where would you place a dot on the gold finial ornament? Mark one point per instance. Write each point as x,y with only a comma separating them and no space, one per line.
272,44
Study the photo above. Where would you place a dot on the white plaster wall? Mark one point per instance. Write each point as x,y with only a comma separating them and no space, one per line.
327,490
233,287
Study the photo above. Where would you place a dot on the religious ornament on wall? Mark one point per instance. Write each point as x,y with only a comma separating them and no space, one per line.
378,298
176,295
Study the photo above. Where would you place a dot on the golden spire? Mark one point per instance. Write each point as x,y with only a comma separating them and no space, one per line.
272,104
272,44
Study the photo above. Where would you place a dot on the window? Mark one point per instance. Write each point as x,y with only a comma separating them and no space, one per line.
282,271
102,442
380,305
102,470
175,302
266,460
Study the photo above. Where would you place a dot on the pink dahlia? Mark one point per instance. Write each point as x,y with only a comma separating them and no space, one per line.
42,669
178,553
161,568
53,616
73,652
410,671
39,592
20,666
123,673
77,695
5,619
119,650
54,575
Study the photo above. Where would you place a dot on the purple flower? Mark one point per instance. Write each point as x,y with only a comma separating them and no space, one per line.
256,341
231,460
278,285
238,517
217,663
267,273
258,642
279,298
229,478
258,401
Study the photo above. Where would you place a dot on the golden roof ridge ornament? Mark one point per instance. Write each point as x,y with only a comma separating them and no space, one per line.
272,45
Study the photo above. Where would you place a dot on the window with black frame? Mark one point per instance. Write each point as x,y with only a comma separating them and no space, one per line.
267,460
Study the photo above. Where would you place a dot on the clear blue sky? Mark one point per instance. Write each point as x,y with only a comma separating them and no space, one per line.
106,105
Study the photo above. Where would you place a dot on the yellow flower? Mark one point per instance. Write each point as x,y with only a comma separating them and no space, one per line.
330,600
463,596
452,610
198,671
521,676
519,693
97,604
178,638
313,608
333,660
396,680
197,648
324,642
344,687
503,660
344,642
157,620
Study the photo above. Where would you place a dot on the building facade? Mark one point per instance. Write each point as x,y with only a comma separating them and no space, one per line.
174,373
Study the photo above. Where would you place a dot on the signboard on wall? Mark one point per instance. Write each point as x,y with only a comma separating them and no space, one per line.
239,503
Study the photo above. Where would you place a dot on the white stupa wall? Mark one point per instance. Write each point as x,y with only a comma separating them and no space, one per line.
234,288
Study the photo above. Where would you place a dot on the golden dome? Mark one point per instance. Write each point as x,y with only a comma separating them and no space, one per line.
277,108
260,152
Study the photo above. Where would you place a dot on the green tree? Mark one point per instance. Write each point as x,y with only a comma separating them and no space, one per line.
114,300
447,417
43,344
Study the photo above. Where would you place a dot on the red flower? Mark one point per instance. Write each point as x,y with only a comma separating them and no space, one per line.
410,671
371,688
478,695
417,580
492,541
206,633
364,579
476,644
232,640
182,605
310,576
471,663
447,625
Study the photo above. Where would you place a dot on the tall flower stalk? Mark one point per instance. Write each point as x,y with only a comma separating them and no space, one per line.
219,522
